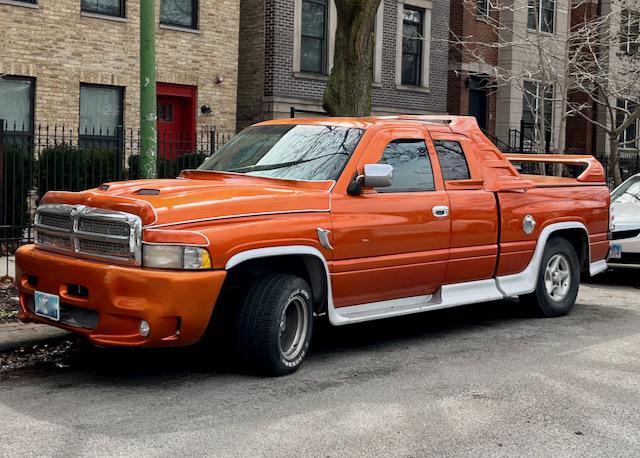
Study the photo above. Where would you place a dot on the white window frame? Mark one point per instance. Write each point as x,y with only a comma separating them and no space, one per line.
626,20
624,143
540,87
427,6
482,14
540,16
332,19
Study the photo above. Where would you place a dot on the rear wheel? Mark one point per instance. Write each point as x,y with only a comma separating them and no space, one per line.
274,325
558,280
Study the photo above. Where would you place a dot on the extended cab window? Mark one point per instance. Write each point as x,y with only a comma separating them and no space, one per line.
411,166
452,161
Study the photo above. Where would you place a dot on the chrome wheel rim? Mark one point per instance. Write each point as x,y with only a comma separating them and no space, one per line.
294,322
557,277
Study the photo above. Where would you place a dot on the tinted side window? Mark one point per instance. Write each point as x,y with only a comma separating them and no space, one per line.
452,161
411,166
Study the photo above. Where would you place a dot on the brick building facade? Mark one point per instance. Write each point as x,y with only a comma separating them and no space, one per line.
471,89
279,67
75,62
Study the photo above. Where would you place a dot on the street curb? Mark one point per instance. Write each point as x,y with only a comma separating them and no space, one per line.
16,335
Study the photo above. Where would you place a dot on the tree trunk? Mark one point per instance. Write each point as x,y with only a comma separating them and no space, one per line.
614,160
348,91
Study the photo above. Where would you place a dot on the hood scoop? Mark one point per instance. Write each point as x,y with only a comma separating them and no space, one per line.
148,192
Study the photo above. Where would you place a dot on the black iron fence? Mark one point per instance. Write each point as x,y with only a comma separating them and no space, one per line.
629,164
46,158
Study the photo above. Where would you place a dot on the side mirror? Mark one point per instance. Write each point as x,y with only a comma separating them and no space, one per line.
377,175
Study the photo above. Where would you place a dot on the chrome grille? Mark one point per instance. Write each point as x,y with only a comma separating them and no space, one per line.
106,249
62,242
89,232
53,220
103,227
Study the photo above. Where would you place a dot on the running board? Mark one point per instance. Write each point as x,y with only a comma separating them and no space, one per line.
447,296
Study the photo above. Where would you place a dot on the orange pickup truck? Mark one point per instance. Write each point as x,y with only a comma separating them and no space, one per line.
355,219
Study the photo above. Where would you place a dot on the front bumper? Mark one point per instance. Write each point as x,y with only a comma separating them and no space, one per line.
112,300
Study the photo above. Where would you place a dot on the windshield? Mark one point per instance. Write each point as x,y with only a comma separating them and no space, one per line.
289,151
628,192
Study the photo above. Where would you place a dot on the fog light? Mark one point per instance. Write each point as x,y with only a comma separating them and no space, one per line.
144,329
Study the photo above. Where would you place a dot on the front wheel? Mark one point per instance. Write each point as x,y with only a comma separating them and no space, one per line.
558,280
274,324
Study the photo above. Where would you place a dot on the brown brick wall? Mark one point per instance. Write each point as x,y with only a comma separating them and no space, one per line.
62,48
465,23
251,64
580,132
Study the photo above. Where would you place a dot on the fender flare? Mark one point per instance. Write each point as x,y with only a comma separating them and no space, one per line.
525,282
286,250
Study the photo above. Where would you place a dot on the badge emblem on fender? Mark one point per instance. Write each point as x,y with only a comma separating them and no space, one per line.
323,238
528,224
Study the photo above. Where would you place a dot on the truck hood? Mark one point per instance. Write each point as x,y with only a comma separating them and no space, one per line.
202,196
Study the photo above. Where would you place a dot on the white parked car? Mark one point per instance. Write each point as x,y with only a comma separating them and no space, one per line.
625,236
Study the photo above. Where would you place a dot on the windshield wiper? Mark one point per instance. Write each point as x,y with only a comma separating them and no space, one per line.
281,165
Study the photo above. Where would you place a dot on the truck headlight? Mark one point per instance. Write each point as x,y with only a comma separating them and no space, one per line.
175,257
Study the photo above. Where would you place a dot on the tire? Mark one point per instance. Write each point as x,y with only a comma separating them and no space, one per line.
274,325
558,280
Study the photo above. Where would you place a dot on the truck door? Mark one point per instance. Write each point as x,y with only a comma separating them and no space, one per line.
474,211
392,243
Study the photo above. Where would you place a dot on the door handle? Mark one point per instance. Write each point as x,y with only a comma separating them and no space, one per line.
440,211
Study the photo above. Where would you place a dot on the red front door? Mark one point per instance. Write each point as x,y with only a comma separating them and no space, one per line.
176,120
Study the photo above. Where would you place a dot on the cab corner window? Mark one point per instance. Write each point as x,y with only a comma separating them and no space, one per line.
411,166
452,160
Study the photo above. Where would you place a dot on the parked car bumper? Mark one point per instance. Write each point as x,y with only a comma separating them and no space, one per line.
177,305
630,253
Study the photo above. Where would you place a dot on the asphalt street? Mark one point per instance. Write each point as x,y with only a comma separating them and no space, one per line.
483,380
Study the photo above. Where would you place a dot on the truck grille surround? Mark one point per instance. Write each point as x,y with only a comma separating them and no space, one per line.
88,232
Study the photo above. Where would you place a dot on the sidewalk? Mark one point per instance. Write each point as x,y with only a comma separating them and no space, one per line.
14,335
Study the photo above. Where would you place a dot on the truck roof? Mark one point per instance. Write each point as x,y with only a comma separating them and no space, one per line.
447,123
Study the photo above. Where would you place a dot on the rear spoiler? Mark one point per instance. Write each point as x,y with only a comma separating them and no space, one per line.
593,173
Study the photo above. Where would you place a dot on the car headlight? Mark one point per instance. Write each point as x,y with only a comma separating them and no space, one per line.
175,257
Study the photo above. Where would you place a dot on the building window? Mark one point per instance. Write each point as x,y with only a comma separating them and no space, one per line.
413,34
101,115
629,137
106,7
180,13
629,32
412,169
533,92
33,2
16,109
314,31
452,160
482,8
541,15
412,38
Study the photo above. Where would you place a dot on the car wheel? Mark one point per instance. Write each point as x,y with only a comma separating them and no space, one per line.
274,325
558,280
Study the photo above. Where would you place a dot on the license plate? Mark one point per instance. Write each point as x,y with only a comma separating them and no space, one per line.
47,305
615,251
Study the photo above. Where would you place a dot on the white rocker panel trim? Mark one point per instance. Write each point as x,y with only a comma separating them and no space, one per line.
447,296
596,267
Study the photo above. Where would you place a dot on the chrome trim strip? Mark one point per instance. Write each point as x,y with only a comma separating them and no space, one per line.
244,215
